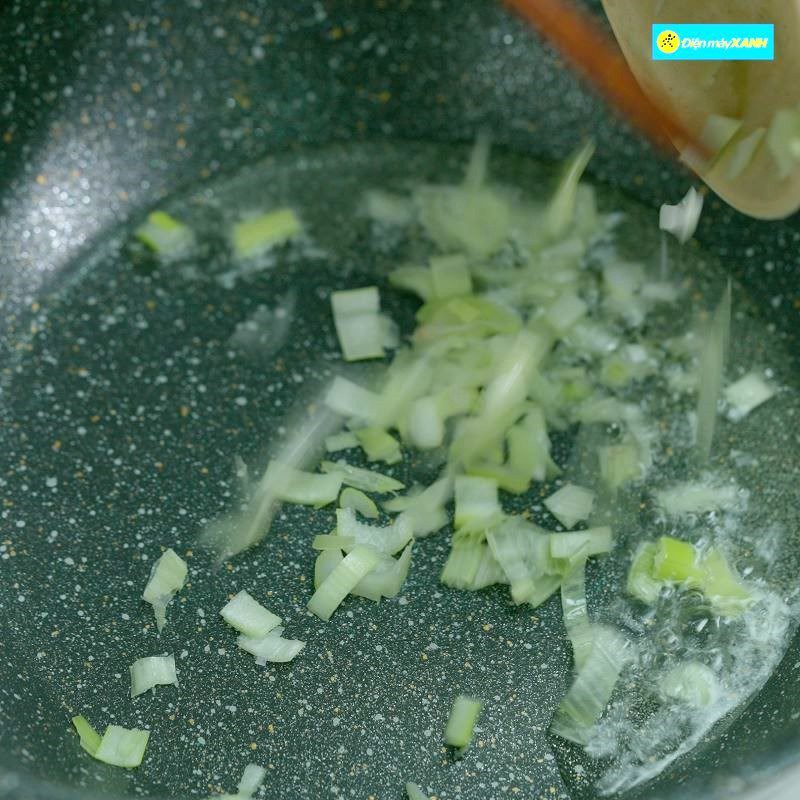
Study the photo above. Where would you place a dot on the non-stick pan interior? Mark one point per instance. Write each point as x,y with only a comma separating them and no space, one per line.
124,402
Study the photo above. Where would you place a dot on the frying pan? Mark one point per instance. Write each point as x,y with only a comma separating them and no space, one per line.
122,404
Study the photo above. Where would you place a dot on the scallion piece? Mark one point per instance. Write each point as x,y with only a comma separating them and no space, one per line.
248,616
695,498
570,504
252,778
560,212
619,464
90,738
390,539
450,276
252,237
681,220
326,562
477,504
356,315
426,510
122,747
746,394
271,648
378,445
591,690
710,371
164,235
341,441
358,501
576,615
351,400
364,479
386,579
592,542
303,488
342,580
166,579
640,583
151,671
461,722
414,792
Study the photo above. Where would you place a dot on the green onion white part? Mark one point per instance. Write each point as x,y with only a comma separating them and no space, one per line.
477,506
152,671
425,511
167,577
594,683
120,747
390,539
364,479
271,648
386,579
359,326
303,488
747,394
710,370
560,212
254,236
378,445
681,220
340,441
358,501
165,235
351,400
414,792
461,722
696,497
388,209
342,580
571,504
248,616
591,542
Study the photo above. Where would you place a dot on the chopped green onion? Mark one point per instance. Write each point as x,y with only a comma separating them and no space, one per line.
351,400
389,540
272,648
151,671
478,164
302,488
364,479
326,562
122,747
575,612
342,580
406,383
425,423
387,208
747,394
477,505
356,315
677,561
164,235
565,312
560,212
378,445
357,500
591,690
413,279
466,555
252,778
529,449
692,683
90,738
326,541
166,579
619,464
570,504
341,441
450,276
461,722
414,792
425,511
592,542
681,220
641,584
252,237
248,616
386,579
710,370
695,498
521,550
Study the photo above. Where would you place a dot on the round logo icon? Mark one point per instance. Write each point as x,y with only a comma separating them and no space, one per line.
668,42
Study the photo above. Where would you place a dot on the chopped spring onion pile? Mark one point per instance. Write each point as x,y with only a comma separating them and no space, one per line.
461,722
166,579
151,671
118,746
164,235
252,237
